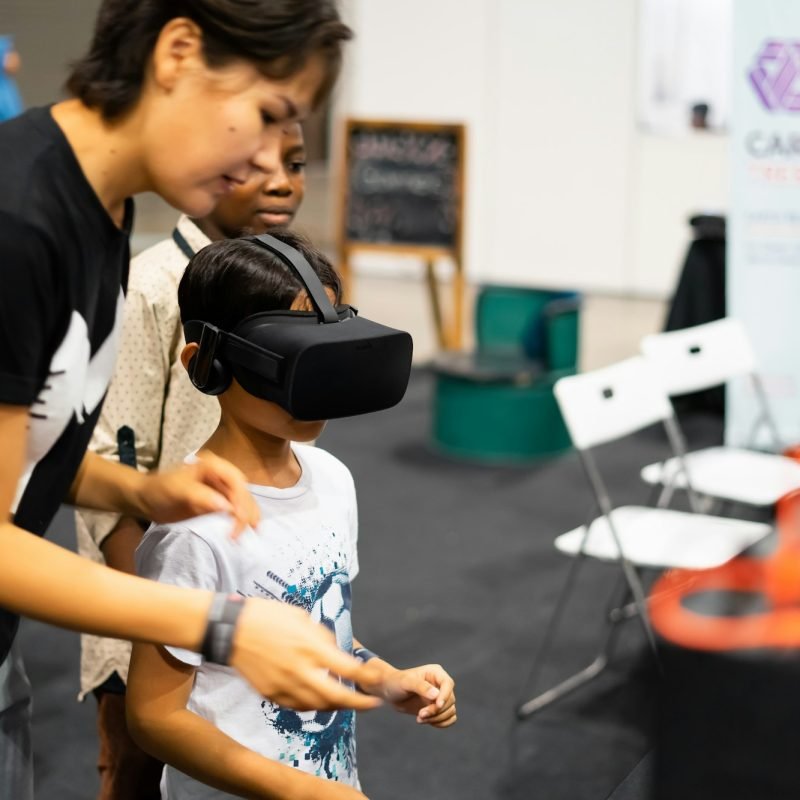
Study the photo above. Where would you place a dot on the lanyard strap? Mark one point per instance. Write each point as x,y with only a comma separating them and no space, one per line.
184,246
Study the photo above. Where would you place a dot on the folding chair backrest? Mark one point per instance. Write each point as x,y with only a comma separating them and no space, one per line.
692,359
612,402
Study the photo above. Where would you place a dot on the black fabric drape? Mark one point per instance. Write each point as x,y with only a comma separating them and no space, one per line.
699,298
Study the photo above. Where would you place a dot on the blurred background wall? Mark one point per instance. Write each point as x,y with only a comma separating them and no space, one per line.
48,35
564,189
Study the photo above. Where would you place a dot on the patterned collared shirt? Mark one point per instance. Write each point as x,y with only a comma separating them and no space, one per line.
151,393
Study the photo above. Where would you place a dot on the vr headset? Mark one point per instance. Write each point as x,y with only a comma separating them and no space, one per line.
316,365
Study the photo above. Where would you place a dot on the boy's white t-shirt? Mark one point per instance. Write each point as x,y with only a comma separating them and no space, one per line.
303,553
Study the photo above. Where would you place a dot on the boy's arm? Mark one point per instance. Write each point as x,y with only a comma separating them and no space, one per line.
158,720
119,546
428,691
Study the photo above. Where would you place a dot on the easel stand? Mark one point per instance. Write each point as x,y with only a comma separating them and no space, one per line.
448,321
402,192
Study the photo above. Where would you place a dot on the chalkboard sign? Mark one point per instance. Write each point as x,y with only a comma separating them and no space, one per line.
402,191
403,184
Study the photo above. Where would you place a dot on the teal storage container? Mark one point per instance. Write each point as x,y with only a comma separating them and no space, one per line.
497,404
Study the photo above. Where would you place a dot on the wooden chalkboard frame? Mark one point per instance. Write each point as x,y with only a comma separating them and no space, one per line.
450,335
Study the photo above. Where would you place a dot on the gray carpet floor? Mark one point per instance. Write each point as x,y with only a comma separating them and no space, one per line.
457,567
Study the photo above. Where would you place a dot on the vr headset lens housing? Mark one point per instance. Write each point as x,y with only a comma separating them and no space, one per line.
317,365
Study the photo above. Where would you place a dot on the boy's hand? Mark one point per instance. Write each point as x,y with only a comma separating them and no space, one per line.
427,692
209,484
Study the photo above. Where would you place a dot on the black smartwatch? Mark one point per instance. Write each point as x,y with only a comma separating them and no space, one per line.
222,618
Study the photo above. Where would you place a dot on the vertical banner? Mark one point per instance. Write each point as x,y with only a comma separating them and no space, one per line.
763,272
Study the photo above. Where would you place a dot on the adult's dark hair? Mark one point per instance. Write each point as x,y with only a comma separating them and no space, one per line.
232,279
276,35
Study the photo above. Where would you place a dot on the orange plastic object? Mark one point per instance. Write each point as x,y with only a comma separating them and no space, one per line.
776,578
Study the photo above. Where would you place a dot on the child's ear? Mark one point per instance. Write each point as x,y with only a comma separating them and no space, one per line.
189,350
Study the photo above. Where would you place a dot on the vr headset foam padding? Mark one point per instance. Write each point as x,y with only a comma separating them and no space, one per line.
316,365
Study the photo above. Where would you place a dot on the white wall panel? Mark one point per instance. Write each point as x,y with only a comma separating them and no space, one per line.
425,61
674,178
562,188
562,137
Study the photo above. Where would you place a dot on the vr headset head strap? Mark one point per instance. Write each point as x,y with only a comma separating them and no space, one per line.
209,374
258,359
297,263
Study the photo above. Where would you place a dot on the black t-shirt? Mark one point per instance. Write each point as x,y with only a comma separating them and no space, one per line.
63,272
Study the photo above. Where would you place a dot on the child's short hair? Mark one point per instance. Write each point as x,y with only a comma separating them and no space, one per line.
276,35
234,278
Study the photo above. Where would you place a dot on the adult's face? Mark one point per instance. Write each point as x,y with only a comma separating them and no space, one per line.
204,131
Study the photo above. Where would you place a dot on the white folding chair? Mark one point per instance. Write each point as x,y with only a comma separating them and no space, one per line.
600,407
698,358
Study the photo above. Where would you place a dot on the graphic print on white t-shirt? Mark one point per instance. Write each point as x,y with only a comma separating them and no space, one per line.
75,386
324,738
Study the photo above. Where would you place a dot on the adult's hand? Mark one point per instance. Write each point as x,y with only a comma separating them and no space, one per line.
287,657
208,484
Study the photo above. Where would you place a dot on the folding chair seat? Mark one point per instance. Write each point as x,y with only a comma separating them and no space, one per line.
698,358
600,407
661,537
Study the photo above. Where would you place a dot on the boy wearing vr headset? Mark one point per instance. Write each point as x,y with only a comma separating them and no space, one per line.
254,325
153,411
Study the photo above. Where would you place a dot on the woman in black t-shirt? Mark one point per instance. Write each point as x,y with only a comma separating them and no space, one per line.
179,97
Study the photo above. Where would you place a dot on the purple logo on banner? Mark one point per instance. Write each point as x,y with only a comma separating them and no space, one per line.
776,76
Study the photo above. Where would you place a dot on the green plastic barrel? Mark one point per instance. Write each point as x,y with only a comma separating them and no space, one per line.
498,421
497,404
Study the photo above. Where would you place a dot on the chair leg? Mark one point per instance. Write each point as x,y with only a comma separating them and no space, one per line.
639,600
582,677
626,608
665,495
623,613
540,701
655,493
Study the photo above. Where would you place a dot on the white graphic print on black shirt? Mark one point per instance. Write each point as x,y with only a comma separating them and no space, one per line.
75,386
63,267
